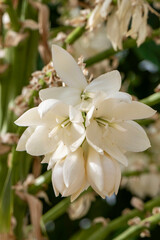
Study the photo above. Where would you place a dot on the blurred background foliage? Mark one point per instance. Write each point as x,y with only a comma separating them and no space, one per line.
28,28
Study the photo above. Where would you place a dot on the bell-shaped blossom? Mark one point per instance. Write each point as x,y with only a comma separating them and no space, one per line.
68,175
103,173
49,124
110,128
78,90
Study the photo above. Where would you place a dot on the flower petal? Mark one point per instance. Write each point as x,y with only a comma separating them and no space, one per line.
57,178
83,187
74,171
133,110
75,115
60,152
60,108
95,170
39,143
106,109
133,139
74,135
109,172
29,118
118,176
21,146
94,136
68,95
67,68
110,147
121,96
46,158
109,82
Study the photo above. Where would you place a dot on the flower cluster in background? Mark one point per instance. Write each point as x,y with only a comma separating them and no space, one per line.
126,19
84,130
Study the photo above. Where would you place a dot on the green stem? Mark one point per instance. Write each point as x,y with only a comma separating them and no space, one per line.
55,212
136,229
75,34
134,173
152,99
129,43
103,232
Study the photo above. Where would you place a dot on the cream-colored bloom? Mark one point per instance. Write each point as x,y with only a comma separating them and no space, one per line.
126,18
103,173
49,124
99,13
77,90
68,175
84,130
111,122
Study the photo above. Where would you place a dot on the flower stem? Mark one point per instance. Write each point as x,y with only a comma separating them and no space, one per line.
56,211
136,229
152,99
103,232
74,35
129,43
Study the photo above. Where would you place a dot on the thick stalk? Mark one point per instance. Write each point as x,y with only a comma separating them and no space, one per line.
75,34
152,99
103,232
136,229
129,43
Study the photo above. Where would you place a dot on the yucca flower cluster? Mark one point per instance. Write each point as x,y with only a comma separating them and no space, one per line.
125,19
84,130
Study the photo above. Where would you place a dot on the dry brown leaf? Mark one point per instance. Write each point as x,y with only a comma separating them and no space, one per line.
7,236
15,3
12,38
43,20
4,149
31,24
35,209
9,138
3,68
42,194
36,169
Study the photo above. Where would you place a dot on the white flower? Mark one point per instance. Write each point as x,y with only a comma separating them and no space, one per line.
103,173
51,123
68,175
98,14
77,89
124,19
84,130
110,128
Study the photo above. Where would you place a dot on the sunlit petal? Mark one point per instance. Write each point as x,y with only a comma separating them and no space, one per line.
68,95
67,68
